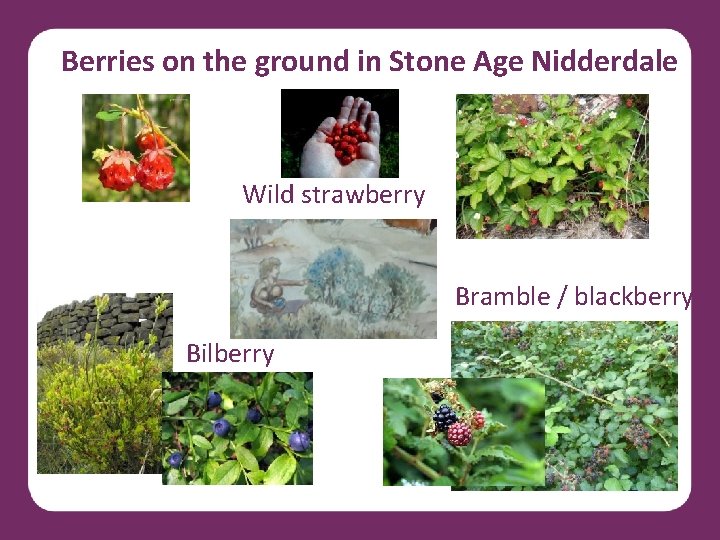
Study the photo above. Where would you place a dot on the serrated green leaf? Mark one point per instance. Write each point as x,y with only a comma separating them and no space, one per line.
523,165
475,198
504,168
494,152
551,439
494,181
227,474
617,217
539,175
520,180
485,165
579,162
664,413
281,470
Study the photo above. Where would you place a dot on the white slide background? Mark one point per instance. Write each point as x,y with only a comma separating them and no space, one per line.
79,249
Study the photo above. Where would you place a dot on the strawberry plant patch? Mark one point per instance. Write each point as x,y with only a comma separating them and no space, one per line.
563,161
240,428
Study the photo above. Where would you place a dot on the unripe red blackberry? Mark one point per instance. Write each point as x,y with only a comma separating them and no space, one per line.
478,420
444,417
459,434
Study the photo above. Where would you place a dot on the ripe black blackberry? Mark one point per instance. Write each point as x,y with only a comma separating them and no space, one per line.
444,417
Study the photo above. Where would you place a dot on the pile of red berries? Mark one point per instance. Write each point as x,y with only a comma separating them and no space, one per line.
346,139
154,172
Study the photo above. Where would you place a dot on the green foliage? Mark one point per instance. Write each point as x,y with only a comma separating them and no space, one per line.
507,452
337,278
609,385
390,155
102,418
251,453
511,170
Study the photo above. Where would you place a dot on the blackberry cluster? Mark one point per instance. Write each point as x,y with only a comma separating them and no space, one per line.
444,417
523,345
560,366
595,466
511,332
643,401
608,361
637,435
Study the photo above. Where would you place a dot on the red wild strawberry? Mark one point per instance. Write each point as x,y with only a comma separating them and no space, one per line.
601,184
533,221
507,228
155,170
346,160
579,147
523,121
118,170
146,141
629,102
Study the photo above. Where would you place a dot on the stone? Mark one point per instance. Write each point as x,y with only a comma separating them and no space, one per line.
129,317
131,306
120,328
515,103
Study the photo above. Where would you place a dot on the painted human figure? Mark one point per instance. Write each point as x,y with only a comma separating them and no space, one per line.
267,293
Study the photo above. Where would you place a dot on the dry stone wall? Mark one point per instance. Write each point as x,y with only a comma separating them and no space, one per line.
127,320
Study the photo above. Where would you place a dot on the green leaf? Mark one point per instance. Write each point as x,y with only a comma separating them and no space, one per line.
247,432
494,152
562,177
176,406
256,477
617,217
389,441
174,478
477,151
504,168
475,198
613,484
295,410
172,396
664,412
246,459
551,439
485,164
281,470
268,390
523,165
227,474
494,181
540,175
579,162
262,444
202,442
520,180
109,116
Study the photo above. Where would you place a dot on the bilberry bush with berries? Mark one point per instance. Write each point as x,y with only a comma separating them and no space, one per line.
464,433
259,432
612,417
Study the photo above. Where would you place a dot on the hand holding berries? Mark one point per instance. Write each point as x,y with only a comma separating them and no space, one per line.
346,146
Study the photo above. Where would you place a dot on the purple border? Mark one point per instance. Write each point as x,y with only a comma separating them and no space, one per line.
27,20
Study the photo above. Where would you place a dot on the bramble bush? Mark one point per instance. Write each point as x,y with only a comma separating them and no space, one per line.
245,428
518,170
611,418
464,433
99,407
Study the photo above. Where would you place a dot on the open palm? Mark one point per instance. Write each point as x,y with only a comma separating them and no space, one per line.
318,158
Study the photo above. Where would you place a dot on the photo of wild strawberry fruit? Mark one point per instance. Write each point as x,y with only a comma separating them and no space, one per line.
118,170
155,170
149,140
346,139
